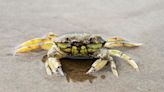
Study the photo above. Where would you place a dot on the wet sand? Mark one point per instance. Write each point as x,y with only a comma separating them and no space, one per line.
75,69
139,21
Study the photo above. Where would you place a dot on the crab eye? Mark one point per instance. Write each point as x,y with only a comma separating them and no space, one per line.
91,40
67,40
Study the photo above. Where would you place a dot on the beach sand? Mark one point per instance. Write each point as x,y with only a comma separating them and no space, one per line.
139,21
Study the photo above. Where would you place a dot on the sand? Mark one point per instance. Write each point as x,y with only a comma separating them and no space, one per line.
138,21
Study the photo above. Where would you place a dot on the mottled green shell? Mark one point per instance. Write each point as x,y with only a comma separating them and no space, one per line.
79,44
83,50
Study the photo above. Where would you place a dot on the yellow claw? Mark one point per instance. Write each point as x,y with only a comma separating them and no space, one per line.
48,38
45,46
37,43
33,41
27,48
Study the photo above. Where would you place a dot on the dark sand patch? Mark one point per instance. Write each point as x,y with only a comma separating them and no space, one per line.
75,69
103,77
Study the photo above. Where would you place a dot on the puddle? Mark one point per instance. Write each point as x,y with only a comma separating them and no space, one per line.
75,69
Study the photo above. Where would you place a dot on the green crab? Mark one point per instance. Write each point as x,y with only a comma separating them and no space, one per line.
79,45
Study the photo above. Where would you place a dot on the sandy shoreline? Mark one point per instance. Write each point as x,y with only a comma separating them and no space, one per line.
139,21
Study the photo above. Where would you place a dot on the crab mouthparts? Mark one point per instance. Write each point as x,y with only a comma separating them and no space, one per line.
76,44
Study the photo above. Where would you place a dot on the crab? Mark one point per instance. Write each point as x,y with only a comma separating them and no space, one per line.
79,45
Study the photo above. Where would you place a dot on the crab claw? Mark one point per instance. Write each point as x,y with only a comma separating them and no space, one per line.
36,44
91,70
60,71
97,65
55,66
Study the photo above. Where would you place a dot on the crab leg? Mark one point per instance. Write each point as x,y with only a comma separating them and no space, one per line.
48,70
113,67
125,57
121,44
37,43
53,64
97,65
114,39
